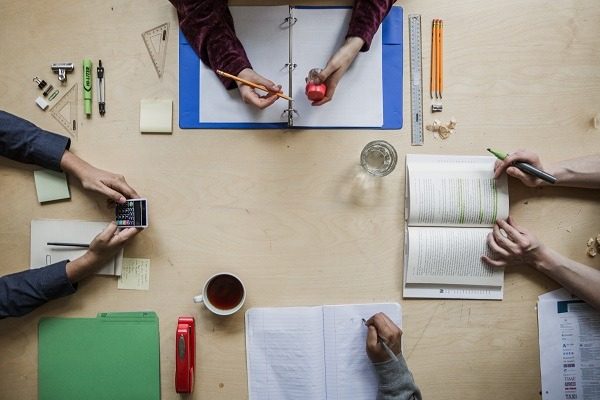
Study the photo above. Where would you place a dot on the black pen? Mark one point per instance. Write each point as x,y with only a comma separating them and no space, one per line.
526,167
84,245
101,104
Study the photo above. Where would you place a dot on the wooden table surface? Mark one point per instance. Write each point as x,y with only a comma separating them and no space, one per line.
278,207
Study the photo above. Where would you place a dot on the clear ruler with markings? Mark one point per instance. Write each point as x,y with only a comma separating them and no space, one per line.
65,111
416,79
156,40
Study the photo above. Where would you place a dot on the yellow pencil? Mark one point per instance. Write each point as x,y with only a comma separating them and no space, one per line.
252,84
433,77
441,57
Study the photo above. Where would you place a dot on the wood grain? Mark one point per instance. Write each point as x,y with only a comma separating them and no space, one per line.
279,208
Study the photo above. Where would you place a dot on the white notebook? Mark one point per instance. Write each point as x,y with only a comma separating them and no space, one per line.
315,353
452,203
67,231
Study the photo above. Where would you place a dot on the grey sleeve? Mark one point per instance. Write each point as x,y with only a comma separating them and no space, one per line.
395,381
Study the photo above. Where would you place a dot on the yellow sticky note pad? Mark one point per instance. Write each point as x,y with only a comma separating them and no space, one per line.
51,185
156,115
135,274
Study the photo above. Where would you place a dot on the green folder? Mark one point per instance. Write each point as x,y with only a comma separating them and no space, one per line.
113,356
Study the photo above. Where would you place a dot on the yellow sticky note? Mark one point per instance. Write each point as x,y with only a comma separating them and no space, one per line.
51,185
156,115
135,274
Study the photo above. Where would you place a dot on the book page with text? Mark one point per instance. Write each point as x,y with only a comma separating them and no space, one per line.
350,373
284,349
450,256
454,191
358,101
265,40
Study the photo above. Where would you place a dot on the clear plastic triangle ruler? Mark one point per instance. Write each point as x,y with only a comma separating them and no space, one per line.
65,111
156,41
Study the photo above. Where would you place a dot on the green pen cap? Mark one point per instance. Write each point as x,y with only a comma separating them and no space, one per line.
500,154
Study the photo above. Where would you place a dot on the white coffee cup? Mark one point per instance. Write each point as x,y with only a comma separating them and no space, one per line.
223,294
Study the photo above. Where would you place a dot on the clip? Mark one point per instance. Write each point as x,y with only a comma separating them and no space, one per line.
185,355
62,69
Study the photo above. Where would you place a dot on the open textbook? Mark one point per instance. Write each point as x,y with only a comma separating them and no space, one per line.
317,353
452,203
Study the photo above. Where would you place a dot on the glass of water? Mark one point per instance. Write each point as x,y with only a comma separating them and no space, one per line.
378,158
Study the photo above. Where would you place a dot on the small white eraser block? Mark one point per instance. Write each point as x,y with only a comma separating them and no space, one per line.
43,104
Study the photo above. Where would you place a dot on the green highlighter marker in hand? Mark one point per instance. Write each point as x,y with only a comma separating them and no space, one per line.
525,167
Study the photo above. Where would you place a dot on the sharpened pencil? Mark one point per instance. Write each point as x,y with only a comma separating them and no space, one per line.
253,85
440,57
433,77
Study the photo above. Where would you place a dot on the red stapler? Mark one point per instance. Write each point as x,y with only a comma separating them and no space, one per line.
185,355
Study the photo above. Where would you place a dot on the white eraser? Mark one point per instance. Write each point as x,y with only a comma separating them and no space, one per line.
43,104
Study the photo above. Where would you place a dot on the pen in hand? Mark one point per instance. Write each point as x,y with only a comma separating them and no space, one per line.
383,344
526,167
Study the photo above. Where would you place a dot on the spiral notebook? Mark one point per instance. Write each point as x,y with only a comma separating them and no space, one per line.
284,43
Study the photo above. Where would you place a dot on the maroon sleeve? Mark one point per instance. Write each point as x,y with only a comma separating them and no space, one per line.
366,18
208,27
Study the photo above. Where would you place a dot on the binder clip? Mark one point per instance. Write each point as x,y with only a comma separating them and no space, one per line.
62,69
185,354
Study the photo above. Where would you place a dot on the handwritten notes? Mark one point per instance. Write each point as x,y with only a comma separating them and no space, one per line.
135,274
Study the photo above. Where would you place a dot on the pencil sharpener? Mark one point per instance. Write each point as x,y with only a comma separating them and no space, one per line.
315,90
62,69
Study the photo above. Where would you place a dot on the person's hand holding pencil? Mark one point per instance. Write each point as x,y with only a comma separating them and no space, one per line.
383,339
248,80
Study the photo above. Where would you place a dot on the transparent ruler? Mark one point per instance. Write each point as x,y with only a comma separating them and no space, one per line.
156,40
416,79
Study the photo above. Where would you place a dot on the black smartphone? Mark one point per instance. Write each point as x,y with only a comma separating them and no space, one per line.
132,214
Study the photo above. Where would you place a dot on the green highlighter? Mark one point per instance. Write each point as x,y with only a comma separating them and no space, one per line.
526,167
87,87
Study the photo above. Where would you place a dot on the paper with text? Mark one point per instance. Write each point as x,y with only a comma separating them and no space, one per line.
451,205
450,256
569,332
135,274
455,190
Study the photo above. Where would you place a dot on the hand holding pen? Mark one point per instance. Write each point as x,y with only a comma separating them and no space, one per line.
523,165
383,338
